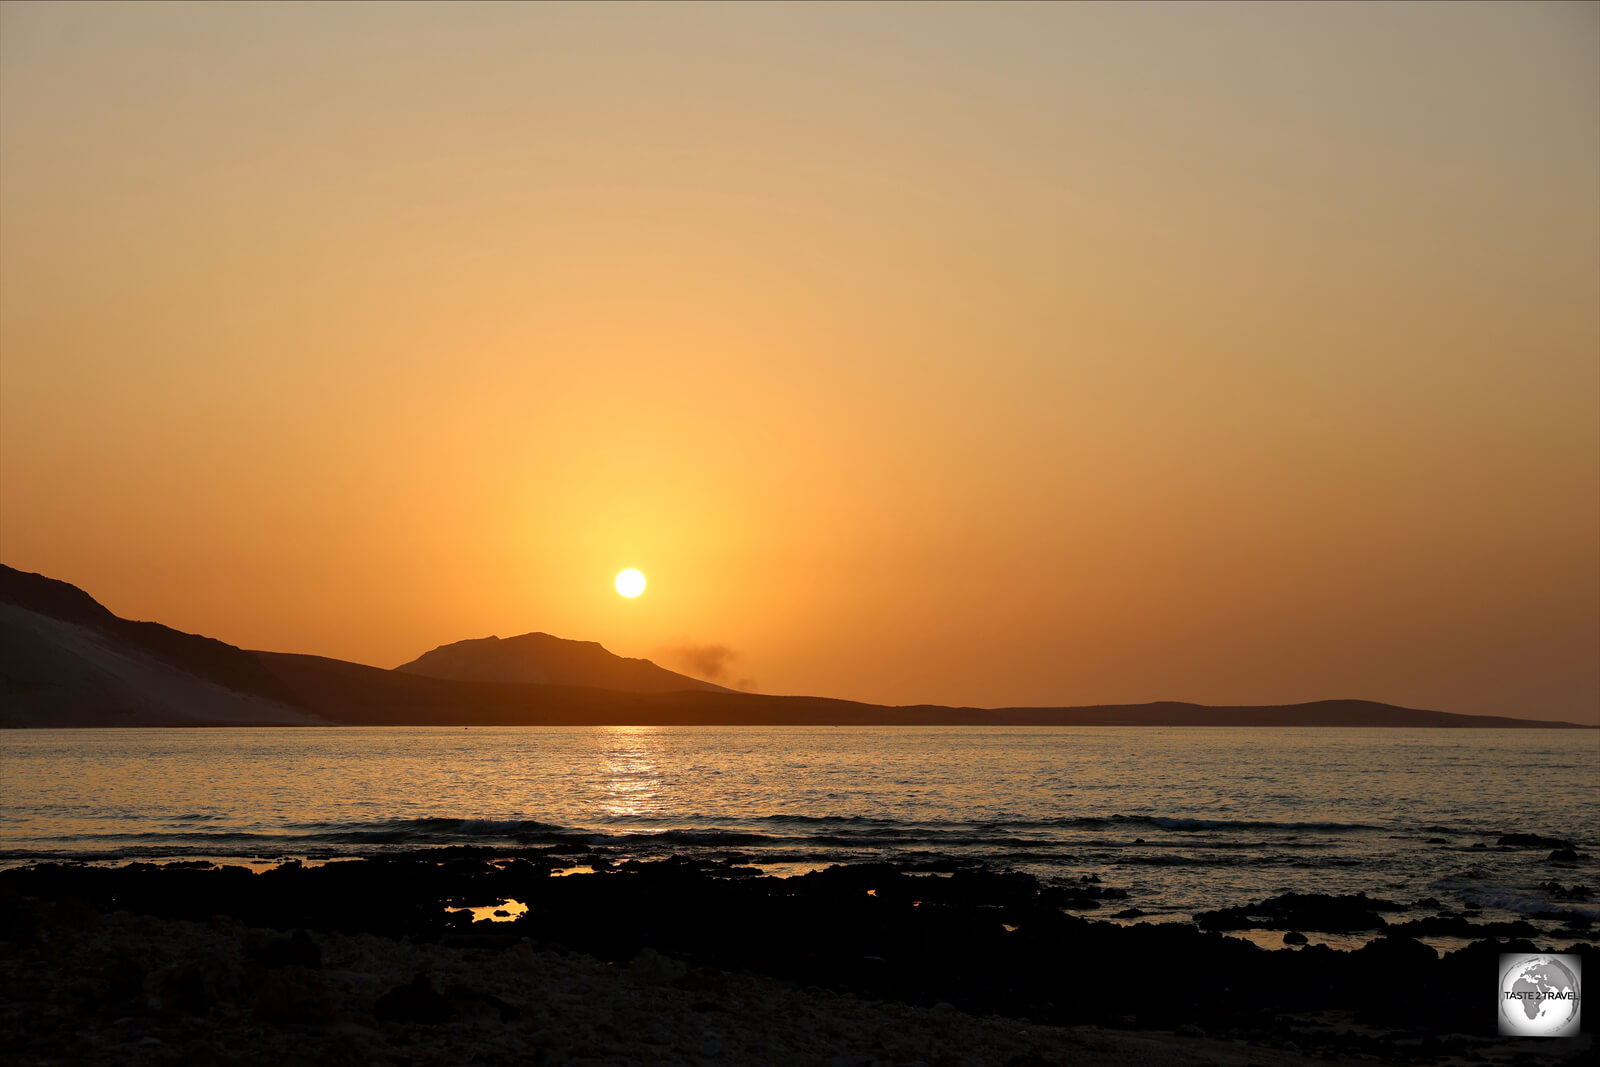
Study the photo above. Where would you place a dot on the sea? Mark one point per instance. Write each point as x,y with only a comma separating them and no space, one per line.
1184,820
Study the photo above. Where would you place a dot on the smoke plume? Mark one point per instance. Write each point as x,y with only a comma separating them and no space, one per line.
711,662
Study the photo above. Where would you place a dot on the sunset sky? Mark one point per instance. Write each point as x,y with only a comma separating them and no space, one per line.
971,354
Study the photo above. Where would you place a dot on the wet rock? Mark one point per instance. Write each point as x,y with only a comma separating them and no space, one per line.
1294,937
1562,855
1376,965
1086,893
1460,926
1532,841
1304,911
1567,892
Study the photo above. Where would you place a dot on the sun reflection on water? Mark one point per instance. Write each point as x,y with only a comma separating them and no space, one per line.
631,783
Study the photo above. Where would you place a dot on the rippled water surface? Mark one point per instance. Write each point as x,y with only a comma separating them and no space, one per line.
1183,819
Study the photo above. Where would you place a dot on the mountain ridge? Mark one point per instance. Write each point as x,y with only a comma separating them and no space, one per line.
66,660
538,658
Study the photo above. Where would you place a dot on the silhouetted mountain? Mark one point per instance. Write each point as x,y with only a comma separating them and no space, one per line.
1314,713
371,696
539,659
67,661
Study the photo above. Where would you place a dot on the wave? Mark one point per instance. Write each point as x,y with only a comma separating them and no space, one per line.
853,832
1178,823
843,831
434,825
1183,823
1518,899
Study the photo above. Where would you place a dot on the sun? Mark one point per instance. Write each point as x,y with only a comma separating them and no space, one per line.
630,583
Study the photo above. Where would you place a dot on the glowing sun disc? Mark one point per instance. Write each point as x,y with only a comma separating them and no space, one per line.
630,583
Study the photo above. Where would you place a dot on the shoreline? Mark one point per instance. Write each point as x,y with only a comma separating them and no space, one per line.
972,952
1217,874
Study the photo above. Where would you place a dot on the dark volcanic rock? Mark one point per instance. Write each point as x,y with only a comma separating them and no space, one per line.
19,917
271,950
295,994
1567,892
181,987
417,1001
979,940
1304,911
1532,841
1459,926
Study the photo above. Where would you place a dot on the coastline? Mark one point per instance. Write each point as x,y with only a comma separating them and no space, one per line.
695,961
70,662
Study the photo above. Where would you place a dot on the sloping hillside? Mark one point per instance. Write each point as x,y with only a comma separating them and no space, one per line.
540,659
67,661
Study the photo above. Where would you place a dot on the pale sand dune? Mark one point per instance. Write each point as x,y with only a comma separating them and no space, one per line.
61,673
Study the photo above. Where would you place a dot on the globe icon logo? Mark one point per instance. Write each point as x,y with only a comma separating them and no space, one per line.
1539,995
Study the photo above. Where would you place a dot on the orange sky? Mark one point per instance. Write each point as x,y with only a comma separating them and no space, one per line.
962,354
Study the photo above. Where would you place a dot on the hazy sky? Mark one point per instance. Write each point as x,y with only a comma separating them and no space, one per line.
975,354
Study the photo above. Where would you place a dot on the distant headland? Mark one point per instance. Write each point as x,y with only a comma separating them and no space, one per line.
67,661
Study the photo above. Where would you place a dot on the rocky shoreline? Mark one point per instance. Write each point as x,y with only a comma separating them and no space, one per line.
712,961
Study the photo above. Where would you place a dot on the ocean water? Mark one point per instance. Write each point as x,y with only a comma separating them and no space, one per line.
1182,819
